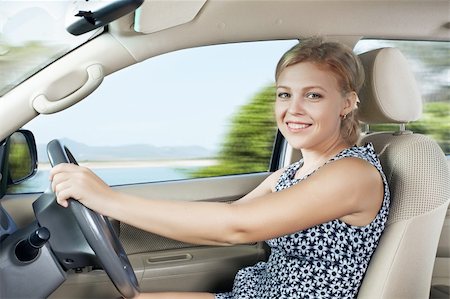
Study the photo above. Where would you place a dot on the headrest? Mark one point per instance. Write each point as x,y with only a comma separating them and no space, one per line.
390,93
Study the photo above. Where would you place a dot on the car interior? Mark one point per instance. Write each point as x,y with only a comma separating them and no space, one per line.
413,257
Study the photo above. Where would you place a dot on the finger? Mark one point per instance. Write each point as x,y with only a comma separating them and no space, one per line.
58,179
55,170
63,167
63,195
61,202
62,199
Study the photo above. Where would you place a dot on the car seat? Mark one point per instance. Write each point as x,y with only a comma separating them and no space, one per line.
418,178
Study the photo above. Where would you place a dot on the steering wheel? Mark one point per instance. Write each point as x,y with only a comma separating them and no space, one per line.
99,233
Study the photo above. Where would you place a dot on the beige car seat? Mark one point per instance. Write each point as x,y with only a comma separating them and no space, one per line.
418,178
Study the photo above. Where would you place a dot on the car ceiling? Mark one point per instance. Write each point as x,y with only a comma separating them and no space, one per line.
221,21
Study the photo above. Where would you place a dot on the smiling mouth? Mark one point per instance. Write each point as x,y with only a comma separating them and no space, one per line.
297,126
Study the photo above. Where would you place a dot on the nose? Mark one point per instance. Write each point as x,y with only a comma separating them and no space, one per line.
296,105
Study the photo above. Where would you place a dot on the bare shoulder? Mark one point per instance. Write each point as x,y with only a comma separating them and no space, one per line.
360,182
353,173
361,168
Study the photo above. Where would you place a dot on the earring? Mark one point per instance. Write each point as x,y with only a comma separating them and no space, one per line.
344,116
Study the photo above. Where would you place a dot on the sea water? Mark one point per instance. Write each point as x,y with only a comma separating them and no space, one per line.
112,176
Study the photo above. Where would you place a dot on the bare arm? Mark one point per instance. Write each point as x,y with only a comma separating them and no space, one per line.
253,219
266,187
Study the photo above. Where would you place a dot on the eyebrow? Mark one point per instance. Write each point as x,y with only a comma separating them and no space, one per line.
304,88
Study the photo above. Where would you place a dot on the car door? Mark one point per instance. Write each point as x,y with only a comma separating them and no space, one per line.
195,125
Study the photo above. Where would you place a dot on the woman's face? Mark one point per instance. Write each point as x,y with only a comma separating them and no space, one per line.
309,105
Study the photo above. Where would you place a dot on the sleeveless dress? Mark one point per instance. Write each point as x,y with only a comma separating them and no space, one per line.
325,261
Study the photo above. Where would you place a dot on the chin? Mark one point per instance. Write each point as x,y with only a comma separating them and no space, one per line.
296,144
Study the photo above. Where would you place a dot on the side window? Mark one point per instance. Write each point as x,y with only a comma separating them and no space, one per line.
431,65
192,113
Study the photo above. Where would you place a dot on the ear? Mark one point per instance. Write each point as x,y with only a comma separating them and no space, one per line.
350,103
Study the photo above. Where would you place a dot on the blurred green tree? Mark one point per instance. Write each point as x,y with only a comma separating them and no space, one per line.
249,142
435,122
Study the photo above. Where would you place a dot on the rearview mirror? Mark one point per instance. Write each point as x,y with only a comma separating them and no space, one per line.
84,15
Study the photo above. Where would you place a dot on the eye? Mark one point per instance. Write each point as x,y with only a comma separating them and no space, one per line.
313,96
283,95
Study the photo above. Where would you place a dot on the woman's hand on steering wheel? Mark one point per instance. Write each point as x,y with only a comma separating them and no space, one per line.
70,181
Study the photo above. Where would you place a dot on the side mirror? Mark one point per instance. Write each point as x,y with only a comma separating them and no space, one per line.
18,159
21,156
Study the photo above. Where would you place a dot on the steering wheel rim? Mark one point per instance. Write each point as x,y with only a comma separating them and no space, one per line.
99,233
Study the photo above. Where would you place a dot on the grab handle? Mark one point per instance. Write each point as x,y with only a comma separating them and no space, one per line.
43,105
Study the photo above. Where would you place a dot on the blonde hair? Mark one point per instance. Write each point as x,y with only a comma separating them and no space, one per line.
342,62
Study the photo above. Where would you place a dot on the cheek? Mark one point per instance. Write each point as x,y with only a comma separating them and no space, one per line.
328,116
279,110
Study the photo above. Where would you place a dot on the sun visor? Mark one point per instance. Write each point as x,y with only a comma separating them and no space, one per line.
157,15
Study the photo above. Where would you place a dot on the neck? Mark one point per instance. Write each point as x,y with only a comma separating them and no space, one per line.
313,158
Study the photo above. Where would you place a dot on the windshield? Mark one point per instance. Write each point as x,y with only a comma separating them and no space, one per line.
32,35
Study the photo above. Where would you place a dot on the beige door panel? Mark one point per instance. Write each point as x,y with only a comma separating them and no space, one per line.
226,188
196,269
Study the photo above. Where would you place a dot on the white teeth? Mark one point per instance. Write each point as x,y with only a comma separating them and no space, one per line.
297,126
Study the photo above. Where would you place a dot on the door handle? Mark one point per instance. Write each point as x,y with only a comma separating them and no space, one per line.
169,258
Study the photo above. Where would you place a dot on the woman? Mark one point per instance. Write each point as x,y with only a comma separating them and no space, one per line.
322,216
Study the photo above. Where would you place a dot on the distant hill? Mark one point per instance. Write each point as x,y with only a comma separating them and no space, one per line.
83,152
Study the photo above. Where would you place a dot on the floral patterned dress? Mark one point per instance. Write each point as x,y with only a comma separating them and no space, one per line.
325,261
